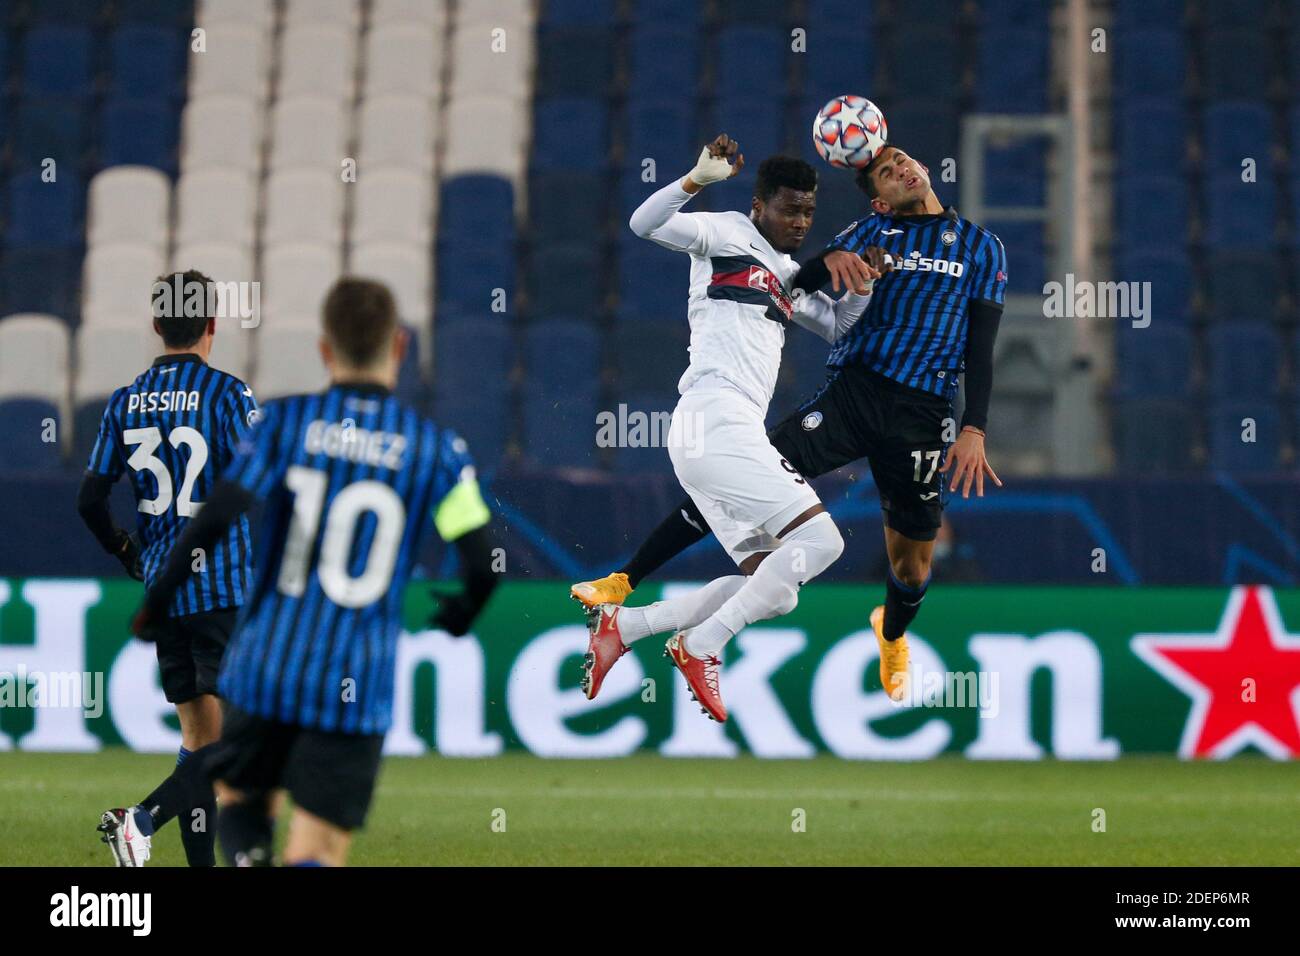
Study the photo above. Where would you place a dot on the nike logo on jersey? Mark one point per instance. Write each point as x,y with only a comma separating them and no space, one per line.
689,521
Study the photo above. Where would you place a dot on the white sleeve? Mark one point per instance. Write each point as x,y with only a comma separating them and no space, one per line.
659,220
817,312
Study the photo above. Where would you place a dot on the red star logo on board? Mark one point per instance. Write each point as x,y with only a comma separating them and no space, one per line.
1244,679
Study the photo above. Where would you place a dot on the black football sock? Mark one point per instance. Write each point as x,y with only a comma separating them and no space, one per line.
675,534
180,795
246,834
901,605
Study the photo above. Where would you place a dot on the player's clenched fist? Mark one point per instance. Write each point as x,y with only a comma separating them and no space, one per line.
719,160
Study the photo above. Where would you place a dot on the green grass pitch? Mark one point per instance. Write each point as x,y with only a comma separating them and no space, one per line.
653,810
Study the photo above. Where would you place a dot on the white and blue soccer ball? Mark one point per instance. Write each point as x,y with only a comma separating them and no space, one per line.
849,131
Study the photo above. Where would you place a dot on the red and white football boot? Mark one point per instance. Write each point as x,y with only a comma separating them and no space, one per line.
701,675
603,649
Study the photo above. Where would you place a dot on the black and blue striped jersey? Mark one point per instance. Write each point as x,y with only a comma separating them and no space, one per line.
348,478
914,329
173,431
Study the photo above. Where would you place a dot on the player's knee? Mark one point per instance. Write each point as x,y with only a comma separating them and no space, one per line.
787,602
911,570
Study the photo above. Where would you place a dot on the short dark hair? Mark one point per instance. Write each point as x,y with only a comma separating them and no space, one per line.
170,293
777,171
360,318
863,176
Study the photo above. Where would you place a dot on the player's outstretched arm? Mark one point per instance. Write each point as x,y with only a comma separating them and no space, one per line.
659,218
226,503
92,505
831,319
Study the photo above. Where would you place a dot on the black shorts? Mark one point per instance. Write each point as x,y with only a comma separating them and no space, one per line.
189,652
330,775
899,430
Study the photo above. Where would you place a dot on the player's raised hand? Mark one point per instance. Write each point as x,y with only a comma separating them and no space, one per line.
968,464
878,261
850,270
719,160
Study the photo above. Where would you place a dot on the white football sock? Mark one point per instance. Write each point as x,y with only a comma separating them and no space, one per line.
773,589
676,614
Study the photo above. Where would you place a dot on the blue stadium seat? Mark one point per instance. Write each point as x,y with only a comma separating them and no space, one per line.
927,60
573,60
1151,209
482,420
1130,14
648,355
1170,276
477,208
1238,66
561,388
751,121
42,213
1154,362
1234,131
751,62
1242,287
754,11
5,62
85,428
1240,215
1031,14
473,359
20,436
1237,14
578,12
565,206
1149,63
839,203
158,12
54,127
681,12
663,57
570,132
662,130
1229,452
56,61
1152,135
146,61
851,15
1244,359
566,279
1026,263
1154,435
41,279
1013,70
1016,175
652,280
838,61
468,275
65,12
927,129
648,415
139,132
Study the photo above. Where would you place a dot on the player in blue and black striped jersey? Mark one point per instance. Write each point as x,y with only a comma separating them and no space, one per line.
888,396
348,478
171,432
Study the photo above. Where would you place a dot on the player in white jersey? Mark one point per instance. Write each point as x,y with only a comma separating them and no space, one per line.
764,513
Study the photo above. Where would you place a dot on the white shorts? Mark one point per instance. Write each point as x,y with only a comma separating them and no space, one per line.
721,454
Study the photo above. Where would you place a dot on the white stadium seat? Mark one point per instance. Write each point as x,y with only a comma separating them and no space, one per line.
317,58
232,348
403,58
392,204
309,132
405,268
234,61
396,130
130,204
506,13
478,71
219,261
344,13
34,358
216,204
475,145
432,12
288,362
221,130
303,205
118,281
295,278
258,13
109,355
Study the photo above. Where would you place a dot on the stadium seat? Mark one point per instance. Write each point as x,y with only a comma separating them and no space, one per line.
146,61
1242,286
1016,175
41,279
287,363
129,204
578,12
478,146
119,280
54,127
1240,215
1026,265
317,58
405,267
34,386
1230,426
498,12
751,62
66,12
767,12
477,208
57,60
652,280
1154,435
235,61
396,130
295,278
108,357
759,129
652,12
402,58
839,203
479,71
171,13
1235,131
572,61
1238,66
309,132
1013,70
649,356
1152,135
1150,63
221,130
928,128
837,60
1130,14
139,132
1143,201
663,56
565,279
1244,360
564,206
1154,362
259,13
662,130
927,62
215,205
468,277
653,410
44,213
432,12
392,204
473,354
222,261
343,13
1170,276
303,205
570,132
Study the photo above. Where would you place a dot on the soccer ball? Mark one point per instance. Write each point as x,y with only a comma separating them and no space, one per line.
849,131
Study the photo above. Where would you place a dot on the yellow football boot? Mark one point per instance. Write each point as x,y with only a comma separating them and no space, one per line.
611,589
893,658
